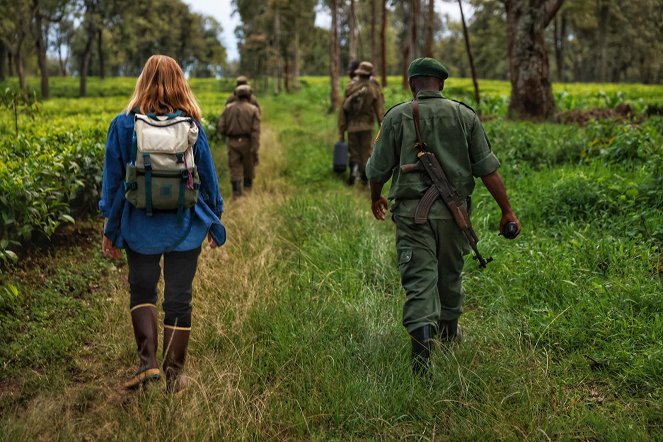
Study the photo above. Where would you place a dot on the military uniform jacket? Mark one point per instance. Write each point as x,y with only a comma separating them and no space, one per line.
372,110
241,119
452,132
233,98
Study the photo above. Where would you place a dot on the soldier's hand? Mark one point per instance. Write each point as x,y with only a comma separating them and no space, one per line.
509,217
379,208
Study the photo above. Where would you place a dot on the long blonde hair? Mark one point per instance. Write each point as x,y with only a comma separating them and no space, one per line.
161,88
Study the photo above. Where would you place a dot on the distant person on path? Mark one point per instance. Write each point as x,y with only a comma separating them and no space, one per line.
430,254
162,116
362,106
240,125
241,81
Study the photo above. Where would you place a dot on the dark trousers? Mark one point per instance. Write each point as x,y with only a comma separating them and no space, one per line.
179,268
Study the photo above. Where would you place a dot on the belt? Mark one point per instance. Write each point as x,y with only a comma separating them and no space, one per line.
240,136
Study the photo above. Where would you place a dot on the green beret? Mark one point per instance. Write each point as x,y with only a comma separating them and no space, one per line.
427,67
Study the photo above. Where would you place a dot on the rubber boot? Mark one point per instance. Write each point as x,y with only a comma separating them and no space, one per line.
144,319
237,189
354,173
175,343
248,184
421,347
449,331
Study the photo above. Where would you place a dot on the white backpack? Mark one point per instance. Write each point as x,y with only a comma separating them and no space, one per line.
162,173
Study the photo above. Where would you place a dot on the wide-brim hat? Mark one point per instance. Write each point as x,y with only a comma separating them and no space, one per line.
241,80
365,68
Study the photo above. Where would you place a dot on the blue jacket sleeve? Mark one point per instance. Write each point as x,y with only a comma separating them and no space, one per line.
209,185
113,171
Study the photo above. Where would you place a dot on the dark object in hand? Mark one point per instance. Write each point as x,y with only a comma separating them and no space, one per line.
510,230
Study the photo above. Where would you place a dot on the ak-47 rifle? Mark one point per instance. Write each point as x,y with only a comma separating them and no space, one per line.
441,188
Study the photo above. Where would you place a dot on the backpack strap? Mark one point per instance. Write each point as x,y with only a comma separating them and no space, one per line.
148,183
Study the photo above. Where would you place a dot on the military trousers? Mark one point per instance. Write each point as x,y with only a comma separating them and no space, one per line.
430,262
241,158
360,146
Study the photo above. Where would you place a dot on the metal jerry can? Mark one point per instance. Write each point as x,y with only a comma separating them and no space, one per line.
340,156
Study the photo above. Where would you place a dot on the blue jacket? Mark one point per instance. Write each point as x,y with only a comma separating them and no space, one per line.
130,227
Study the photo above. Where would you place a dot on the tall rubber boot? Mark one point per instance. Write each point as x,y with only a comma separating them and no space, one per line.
144,319
449,331
354,173
237,189
421,347
248,184
175,343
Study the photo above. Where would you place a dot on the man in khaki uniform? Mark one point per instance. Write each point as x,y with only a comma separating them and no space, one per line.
241,81
240,124
430,255
362,105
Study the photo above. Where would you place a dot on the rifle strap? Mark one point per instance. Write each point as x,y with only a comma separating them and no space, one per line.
415,116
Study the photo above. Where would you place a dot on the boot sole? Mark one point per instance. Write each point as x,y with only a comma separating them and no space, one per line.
151,374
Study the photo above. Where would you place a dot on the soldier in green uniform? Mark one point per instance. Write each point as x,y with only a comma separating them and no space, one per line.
362,105
241,81
240,124
430,255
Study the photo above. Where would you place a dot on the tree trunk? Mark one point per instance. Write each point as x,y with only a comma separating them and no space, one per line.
405,56
468,47
3,61
296,65
352,38
100,51
10,63
277,51
604,24
383,44
560,39
18,58
531,90
40,47
429,29
334,55
287,73
85,61
414,20
374,55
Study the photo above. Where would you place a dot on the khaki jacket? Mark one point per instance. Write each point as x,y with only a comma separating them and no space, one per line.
241,119
252,100
372,110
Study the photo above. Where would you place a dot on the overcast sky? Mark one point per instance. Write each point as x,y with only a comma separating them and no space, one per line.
222,10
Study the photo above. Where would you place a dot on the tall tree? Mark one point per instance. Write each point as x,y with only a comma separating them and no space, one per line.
352,34
334,55
45,12
3,60
531,89
469,57
90,26
428,52
374,54
383,43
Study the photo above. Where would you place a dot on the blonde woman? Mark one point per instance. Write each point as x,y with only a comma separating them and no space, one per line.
148,235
